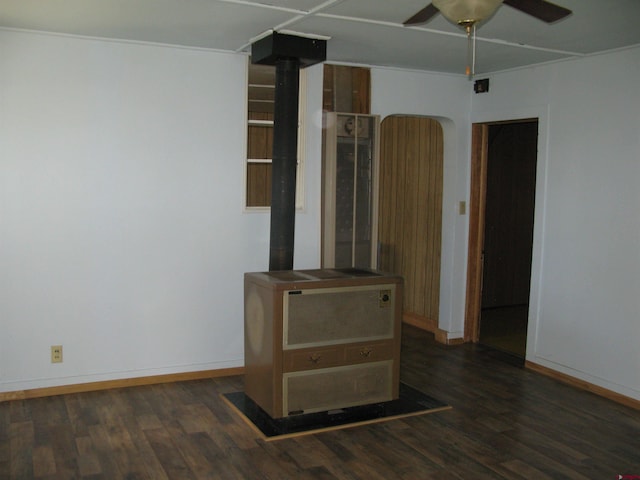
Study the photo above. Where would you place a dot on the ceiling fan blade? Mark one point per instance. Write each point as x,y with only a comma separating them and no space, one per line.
541,9
423,16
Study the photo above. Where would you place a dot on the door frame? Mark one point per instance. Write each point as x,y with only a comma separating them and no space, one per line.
477,205
477,202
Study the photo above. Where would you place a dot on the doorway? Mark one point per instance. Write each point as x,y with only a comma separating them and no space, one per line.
501,234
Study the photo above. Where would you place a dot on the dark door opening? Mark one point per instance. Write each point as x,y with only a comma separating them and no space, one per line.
508,235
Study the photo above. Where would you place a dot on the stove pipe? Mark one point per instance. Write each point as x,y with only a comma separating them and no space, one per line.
284,164
288,53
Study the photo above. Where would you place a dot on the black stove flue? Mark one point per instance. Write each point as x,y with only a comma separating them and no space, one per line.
284,164
288,53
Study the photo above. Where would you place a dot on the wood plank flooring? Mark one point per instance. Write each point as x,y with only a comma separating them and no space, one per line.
506,422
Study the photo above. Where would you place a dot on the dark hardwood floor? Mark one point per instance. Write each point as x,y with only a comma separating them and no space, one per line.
505,329
506,422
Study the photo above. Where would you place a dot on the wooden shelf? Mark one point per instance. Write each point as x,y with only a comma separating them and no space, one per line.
259,160
261,123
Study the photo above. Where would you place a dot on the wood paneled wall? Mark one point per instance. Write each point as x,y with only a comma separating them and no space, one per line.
410,219
346,89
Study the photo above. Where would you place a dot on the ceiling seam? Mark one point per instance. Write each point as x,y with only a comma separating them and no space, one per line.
265,6
452,34
300,15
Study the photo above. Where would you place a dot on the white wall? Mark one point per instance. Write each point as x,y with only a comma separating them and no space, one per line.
585,312
446,98
122,230
584,317
123,235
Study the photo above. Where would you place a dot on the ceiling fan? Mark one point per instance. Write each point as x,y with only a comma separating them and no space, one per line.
469,13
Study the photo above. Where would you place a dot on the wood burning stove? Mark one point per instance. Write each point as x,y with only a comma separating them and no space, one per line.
319,340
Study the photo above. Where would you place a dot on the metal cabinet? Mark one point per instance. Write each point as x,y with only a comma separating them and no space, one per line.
350,190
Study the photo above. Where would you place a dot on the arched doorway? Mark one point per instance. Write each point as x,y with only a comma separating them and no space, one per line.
410,212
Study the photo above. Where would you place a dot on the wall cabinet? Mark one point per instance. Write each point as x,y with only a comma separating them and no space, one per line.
350,190
318,340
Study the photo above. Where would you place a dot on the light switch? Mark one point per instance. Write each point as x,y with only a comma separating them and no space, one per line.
462,207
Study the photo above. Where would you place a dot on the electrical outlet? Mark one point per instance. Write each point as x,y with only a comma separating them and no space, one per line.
56,353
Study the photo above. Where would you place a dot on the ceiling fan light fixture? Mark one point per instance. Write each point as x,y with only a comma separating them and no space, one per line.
467,12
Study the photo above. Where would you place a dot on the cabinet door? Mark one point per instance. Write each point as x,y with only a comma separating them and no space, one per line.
331,316
350,191
340,387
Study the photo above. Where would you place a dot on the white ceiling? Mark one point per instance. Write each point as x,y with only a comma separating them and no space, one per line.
362,31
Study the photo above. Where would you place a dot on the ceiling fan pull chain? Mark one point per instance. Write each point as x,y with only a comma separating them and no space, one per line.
471,50
473,53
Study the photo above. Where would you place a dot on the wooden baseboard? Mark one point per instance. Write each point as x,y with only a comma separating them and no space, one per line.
418,321
442,336
430,325
583,385
126,382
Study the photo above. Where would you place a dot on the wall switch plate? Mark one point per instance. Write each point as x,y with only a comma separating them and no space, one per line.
462,207
56,353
